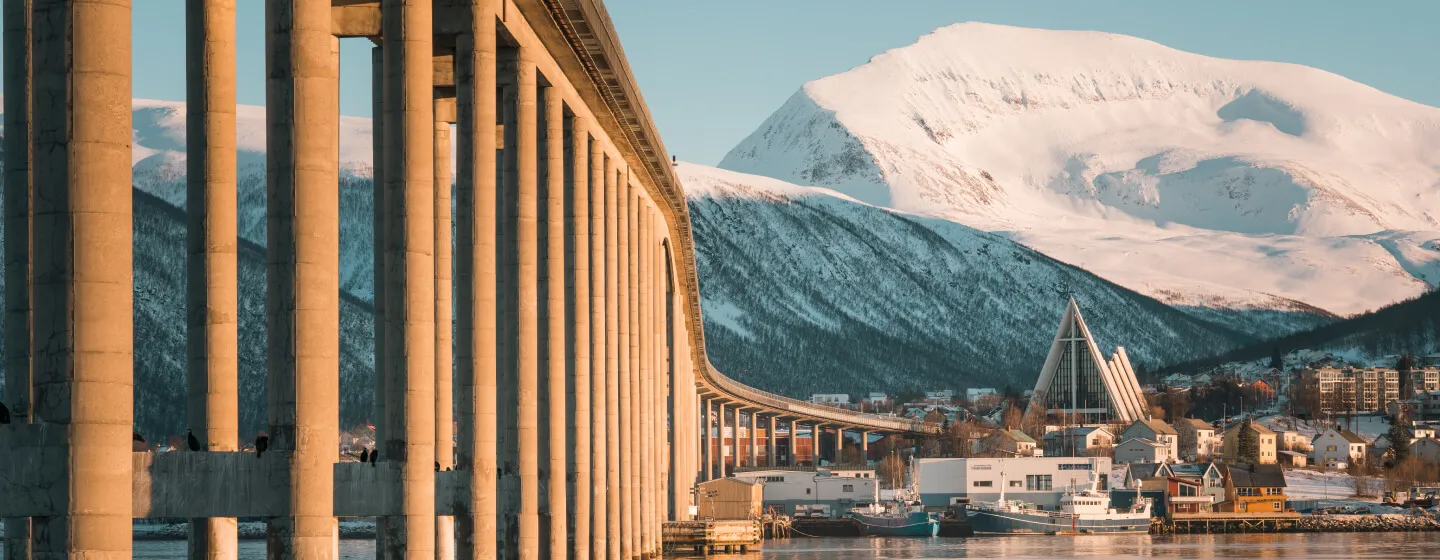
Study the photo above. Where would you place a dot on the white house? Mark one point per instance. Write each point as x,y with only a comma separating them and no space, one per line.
1037,480
972,394
1156,431
1142,450
1292,440
786,489
832,399
1335,446
940,397
1198,439
1427,450
1078,441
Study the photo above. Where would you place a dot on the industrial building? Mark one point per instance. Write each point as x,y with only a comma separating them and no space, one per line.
839,491
1038,480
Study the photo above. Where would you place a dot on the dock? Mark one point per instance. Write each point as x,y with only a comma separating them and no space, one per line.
705,537
1226,522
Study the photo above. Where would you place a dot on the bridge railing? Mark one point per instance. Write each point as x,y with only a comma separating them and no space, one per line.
879,422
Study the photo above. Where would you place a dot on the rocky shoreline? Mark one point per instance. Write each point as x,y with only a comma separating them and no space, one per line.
1366,523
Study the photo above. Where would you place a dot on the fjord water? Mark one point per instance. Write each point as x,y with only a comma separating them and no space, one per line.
1292,545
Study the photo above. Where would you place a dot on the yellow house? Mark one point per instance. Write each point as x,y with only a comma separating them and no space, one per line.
1253,489
1264,436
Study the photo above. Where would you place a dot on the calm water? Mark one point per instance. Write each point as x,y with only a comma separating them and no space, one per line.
1331,545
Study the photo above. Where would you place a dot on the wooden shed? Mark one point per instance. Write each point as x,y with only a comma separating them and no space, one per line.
728,498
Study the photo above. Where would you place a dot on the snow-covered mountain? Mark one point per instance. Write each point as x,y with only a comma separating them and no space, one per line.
1218,186
805,289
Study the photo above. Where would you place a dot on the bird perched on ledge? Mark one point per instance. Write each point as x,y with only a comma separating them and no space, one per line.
262,442
192,441
364,455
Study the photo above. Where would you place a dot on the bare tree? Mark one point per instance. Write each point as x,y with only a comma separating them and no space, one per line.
891,471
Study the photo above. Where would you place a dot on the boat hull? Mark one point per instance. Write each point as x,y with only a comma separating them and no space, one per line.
1006,523
913,526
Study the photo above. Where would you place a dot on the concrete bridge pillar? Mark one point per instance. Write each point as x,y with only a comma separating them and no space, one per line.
556,355
865,447
380,215
707,449
476,267
720,453
770,460
211,314
303,246
646,464
19,218
613,344
82,270
627,369
754,438
527,348
410,262
815,451
577,277
735,441
444,348
839,444
599,365
793,458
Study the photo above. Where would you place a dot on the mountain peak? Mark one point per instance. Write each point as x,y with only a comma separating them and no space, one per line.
1182,176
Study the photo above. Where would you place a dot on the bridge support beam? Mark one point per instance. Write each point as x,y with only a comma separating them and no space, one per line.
735,441
599,364
444,348
865,447
754,438
379,226
793,458
525,206
81,269
647,440
19,254
770,442
212,291
707,449
839,445
577,278
410,262
558,361
476,267
815,450
303,253
612,360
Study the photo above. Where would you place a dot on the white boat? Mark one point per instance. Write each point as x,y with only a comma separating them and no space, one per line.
1084,511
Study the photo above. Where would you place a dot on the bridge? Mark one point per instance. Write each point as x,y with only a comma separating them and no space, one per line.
580,394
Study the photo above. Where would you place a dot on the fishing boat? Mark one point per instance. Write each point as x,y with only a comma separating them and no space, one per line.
899,520
1081,512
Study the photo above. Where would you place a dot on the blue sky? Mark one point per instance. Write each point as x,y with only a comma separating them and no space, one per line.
712,71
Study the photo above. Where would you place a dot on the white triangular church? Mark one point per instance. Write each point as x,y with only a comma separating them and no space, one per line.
1077,380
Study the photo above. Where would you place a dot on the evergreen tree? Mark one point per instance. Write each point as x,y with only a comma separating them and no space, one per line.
1277,359
1247,444
1399,436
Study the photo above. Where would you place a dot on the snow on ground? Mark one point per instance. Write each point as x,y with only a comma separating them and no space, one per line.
1313,485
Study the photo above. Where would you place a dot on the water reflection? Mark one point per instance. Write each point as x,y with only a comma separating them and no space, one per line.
1320,546
1388,546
